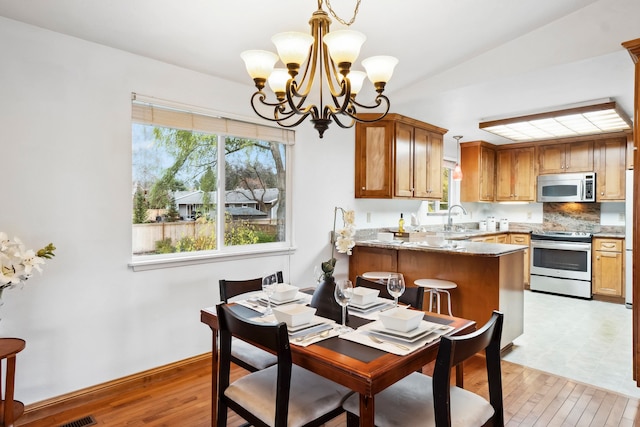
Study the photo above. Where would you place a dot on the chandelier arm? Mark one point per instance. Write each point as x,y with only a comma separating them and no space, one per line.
279,110
336,119
352,111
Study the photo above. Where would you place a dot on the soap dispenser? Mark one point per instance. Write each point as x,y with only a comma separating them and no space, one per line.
401,224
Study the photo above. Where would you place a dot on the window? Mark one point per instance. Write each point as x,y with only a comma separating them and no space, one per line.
205,185
450,190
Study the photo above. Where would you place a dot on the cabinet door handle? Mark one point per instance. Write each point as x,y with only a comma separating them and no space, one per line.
608,245
364,188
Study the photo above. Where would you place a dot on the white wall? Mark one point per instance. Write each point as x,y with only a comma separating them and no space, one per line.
66,165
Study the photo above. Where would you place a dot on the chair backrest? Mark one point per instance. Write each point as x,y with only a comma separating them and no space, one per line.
269,336
231,288
413,295
455,350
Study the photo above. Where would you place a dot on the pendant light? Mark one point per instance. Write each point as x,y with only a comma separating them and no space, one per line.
457,170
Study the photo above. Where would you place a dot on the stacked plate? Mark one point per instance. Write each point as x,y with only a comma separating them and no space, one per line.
377,304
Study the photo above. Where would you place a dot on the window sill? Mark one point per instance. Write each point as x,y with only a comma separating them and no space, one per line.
153,262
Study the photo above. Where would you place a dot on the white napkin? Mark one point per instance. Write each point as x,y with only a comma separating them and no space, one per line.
361,335
315,339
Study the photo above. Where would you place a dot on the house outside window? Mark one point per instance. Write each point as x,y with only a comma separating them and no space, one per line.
202,184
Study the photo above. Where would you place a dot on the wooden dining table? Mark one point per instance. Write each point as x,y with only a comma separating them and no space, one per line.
361,368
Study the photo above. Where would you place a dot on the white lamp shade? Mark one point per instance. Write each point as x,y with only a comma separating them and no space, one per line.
357,79
380,68
259,63
293,47
278,80
344,45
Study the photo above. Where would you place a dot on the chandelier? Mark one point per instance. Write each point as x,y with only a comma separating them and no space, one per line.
327,56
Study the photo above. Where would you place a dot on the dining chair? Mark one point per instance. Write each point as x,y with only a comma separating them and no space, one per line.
244,354
420,400
413,295
284,395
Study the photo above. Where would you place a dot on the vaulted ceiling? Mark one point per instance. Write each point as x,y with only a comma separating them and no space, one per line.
461,61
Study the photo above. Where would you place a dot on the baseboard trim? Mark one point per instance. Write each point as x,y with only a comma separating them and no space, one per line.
59,404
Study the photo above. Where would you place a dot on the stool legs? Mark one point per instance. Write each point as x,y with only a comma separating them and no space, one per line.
435,294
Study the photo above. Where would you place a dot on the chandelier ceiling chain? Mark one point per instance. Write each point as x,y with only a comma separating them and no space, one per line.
327,56
340,20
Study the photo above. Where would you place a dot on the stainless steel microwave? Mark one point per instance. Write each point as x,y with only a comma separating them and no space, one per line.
567,187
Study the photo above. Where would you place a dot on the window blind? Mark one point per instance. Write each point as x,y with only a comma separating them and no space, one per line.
152,111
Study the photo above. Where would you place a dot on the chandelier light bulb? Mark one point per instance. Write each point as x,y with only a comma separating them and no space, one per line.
380,69
357,79
259,63
344,46
293,47
278,81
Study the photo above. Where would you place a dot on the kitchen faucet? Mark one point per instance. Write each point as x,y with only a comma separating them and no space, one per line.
450,220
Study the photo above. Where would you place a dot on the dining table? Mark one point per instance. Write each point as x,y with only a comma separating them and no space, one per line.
362,368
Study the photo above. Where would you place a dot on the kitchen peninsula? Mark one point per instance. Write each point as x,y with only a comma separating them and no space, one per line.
489,275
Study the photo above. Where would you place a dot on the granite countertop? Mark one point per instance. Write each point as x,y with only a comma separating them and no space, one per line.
609,235
454,247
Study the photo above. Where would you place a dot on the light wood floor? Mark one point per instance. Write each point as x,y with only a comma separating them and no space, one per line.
531,398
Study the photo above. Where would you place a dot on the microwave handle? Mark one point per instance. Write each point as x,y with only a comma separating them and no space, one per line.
582,189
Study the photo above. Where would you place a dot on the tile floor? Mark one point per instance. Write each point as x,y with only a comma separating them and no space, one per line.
587,341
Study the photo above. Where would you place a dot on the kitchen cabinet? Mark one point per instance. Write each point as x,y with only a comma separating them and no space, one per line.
525,240
478,162
496,238
608,267
563,158
515,174
610,165
398,157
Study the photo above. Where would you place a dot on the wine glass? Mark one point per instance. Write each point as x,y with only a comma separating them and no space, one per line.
395,286
343,293
269,287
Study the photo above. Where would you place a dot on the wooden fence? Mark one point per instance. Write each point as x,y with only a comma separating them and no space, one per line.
145,236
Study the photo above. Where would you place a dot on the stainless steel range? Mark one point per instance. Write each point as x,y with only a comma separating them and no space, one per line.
561,263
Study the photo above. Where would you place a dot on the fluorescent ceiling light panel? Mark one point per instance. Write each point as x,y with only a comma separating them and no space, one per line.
577,121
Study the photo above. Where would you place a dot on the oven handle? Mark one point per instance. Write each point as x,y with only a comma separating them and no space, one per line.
567,246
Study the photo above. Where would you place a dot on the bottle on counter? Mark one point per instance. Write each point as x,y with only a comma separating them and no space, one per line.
401,224
504,224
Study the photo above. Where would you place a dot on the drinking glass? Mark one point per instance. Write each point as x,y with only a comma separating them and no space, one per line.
269,287
343,293
395,286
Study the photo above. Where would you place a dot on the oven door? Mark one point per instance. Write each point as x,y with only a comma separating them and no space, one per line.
568,260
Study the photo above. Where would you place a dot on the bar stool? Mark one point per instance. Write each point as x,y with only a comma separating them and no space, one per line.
11,409
435,288
380,276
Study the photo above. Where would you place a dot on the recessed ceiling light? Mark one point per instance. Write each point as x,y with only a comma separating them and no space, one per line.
592,119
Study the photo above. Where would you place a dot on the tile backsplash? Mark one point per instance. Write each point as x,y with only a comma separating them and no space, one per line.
571,217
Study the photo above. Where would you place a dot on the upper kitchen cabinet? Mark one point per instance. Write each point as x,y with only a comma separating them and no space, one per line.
515,175
478,162
610,165
398,157
569,157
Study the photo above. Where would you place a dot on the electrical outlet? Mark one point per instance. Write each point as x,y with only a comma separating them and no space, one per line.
529,215
621,217
368,216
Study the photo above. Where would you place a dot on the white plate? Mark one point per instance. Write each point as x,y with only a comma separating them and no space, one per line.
378,301
297,298
315,321
420,332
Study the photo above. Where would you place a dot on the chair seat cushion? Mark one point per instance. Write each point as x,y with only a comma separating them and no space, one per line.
311,396
252,355
409,402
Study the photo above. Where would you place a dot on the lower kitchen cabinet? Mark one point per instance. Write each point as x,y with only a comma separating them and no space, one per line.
608,267
525,240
